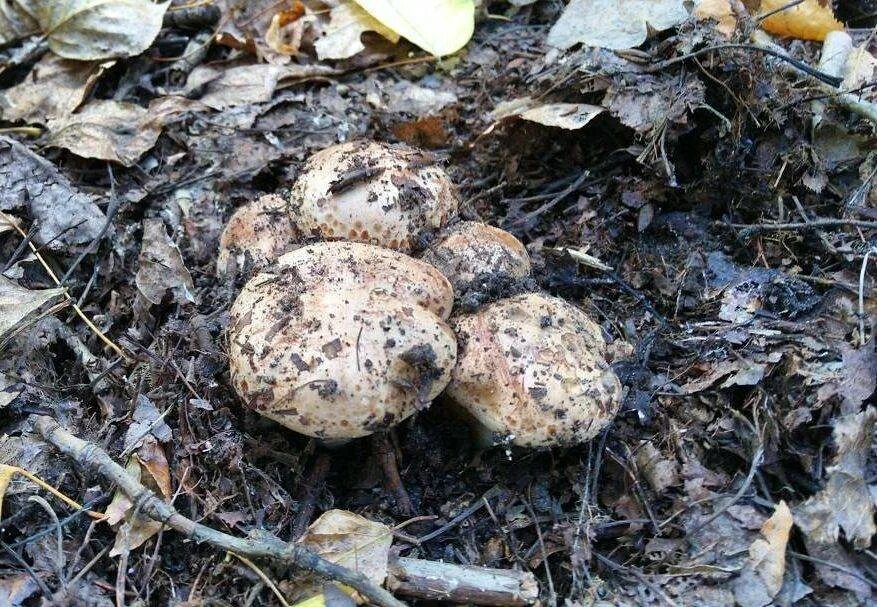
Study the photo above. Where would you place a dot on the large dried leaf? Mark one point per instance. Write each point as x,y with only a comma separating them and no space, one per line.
762,576
226,87
347,23
162,270
17,303
115,130
845,502
86,30
353,541
64,217
439,27
614,24
569,116
809,20
54,88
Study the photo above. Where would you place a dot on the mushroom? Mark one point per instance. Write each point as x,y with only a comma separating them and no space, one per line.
255,236
470,252
531,370
372,192
346,264
339,340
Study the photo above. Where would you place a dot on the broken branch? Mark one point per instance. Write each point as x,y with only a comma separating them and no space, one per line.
91,456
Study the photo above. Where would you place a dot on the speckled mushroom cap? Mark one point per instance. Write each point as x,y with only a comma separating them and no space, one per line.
256,235
348,265
335,361
470,249
372,192
531,369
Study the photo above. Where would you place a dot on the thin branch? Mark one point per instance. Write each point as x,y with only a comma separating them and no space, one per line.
94,458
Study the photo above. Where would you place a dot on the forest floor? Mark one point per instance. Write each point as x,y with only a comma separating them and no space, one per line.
727,204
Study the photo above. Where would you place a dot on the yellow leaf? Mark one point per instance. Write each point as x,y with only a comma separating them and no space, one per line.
720,11
810,20
440,27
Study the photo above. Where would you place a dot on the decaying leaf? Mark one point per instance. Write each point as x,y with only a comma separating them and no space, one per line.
115,130
570,116
660,472
149,466
845,502
243,84
614,24
353,541
162,269
762,576
64,217
84,29
285,30
54,89
17,303
439,27
857,377
809,20
342,37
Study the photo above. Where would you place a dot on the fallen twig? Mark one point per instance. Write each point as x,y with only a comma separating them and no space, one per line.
91,456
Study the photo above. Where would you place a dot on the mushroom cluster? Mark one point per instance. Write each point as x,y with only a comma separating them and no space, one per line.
339,332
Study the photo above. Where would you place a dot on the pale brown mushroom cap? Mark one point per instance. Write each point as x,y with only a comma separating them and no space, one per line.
339,340
256,235
531,369
471,249
380,271
365,191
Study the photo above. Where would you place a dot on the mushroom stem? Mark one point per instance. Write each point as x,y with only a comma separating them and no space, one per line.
386,455
309,489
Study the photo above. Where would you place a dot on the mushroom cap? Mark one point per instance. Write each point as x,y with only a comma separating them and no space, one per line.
373,192
335,363
255,235
470,249
531,369
354,265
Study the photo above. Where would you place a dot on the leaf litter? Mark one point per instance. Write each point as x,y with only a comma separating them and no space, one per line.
711,205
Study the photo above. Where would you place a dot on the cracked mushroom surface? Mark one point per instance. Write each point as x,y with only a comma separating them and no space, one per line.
378,193
471,252
531,370
256,234
337,359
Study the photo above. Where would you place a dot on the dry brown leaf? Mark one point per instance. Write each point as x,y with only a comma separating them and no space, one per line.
353,541
285,31
614,24
569,116
17,303
161,269
84,29
115,130
342,36
65,218
762,575
810,20
226,87
845,502
54,88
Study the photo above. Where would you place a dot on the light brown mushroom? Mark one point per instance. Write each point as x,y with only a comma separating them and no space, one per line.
340,358
376,269
471,251
532,371
256,235
371,192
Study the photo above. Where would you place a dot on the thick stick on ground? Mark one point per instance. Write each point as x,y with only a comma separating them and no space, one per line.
438,581
91,456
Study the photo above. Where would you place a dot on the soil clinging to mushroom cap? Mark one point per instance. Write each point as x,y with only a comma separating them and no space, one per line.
379,193
532,369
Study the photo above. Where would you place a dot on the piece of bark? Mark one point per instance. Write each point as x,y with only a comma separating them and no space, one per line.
439,581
